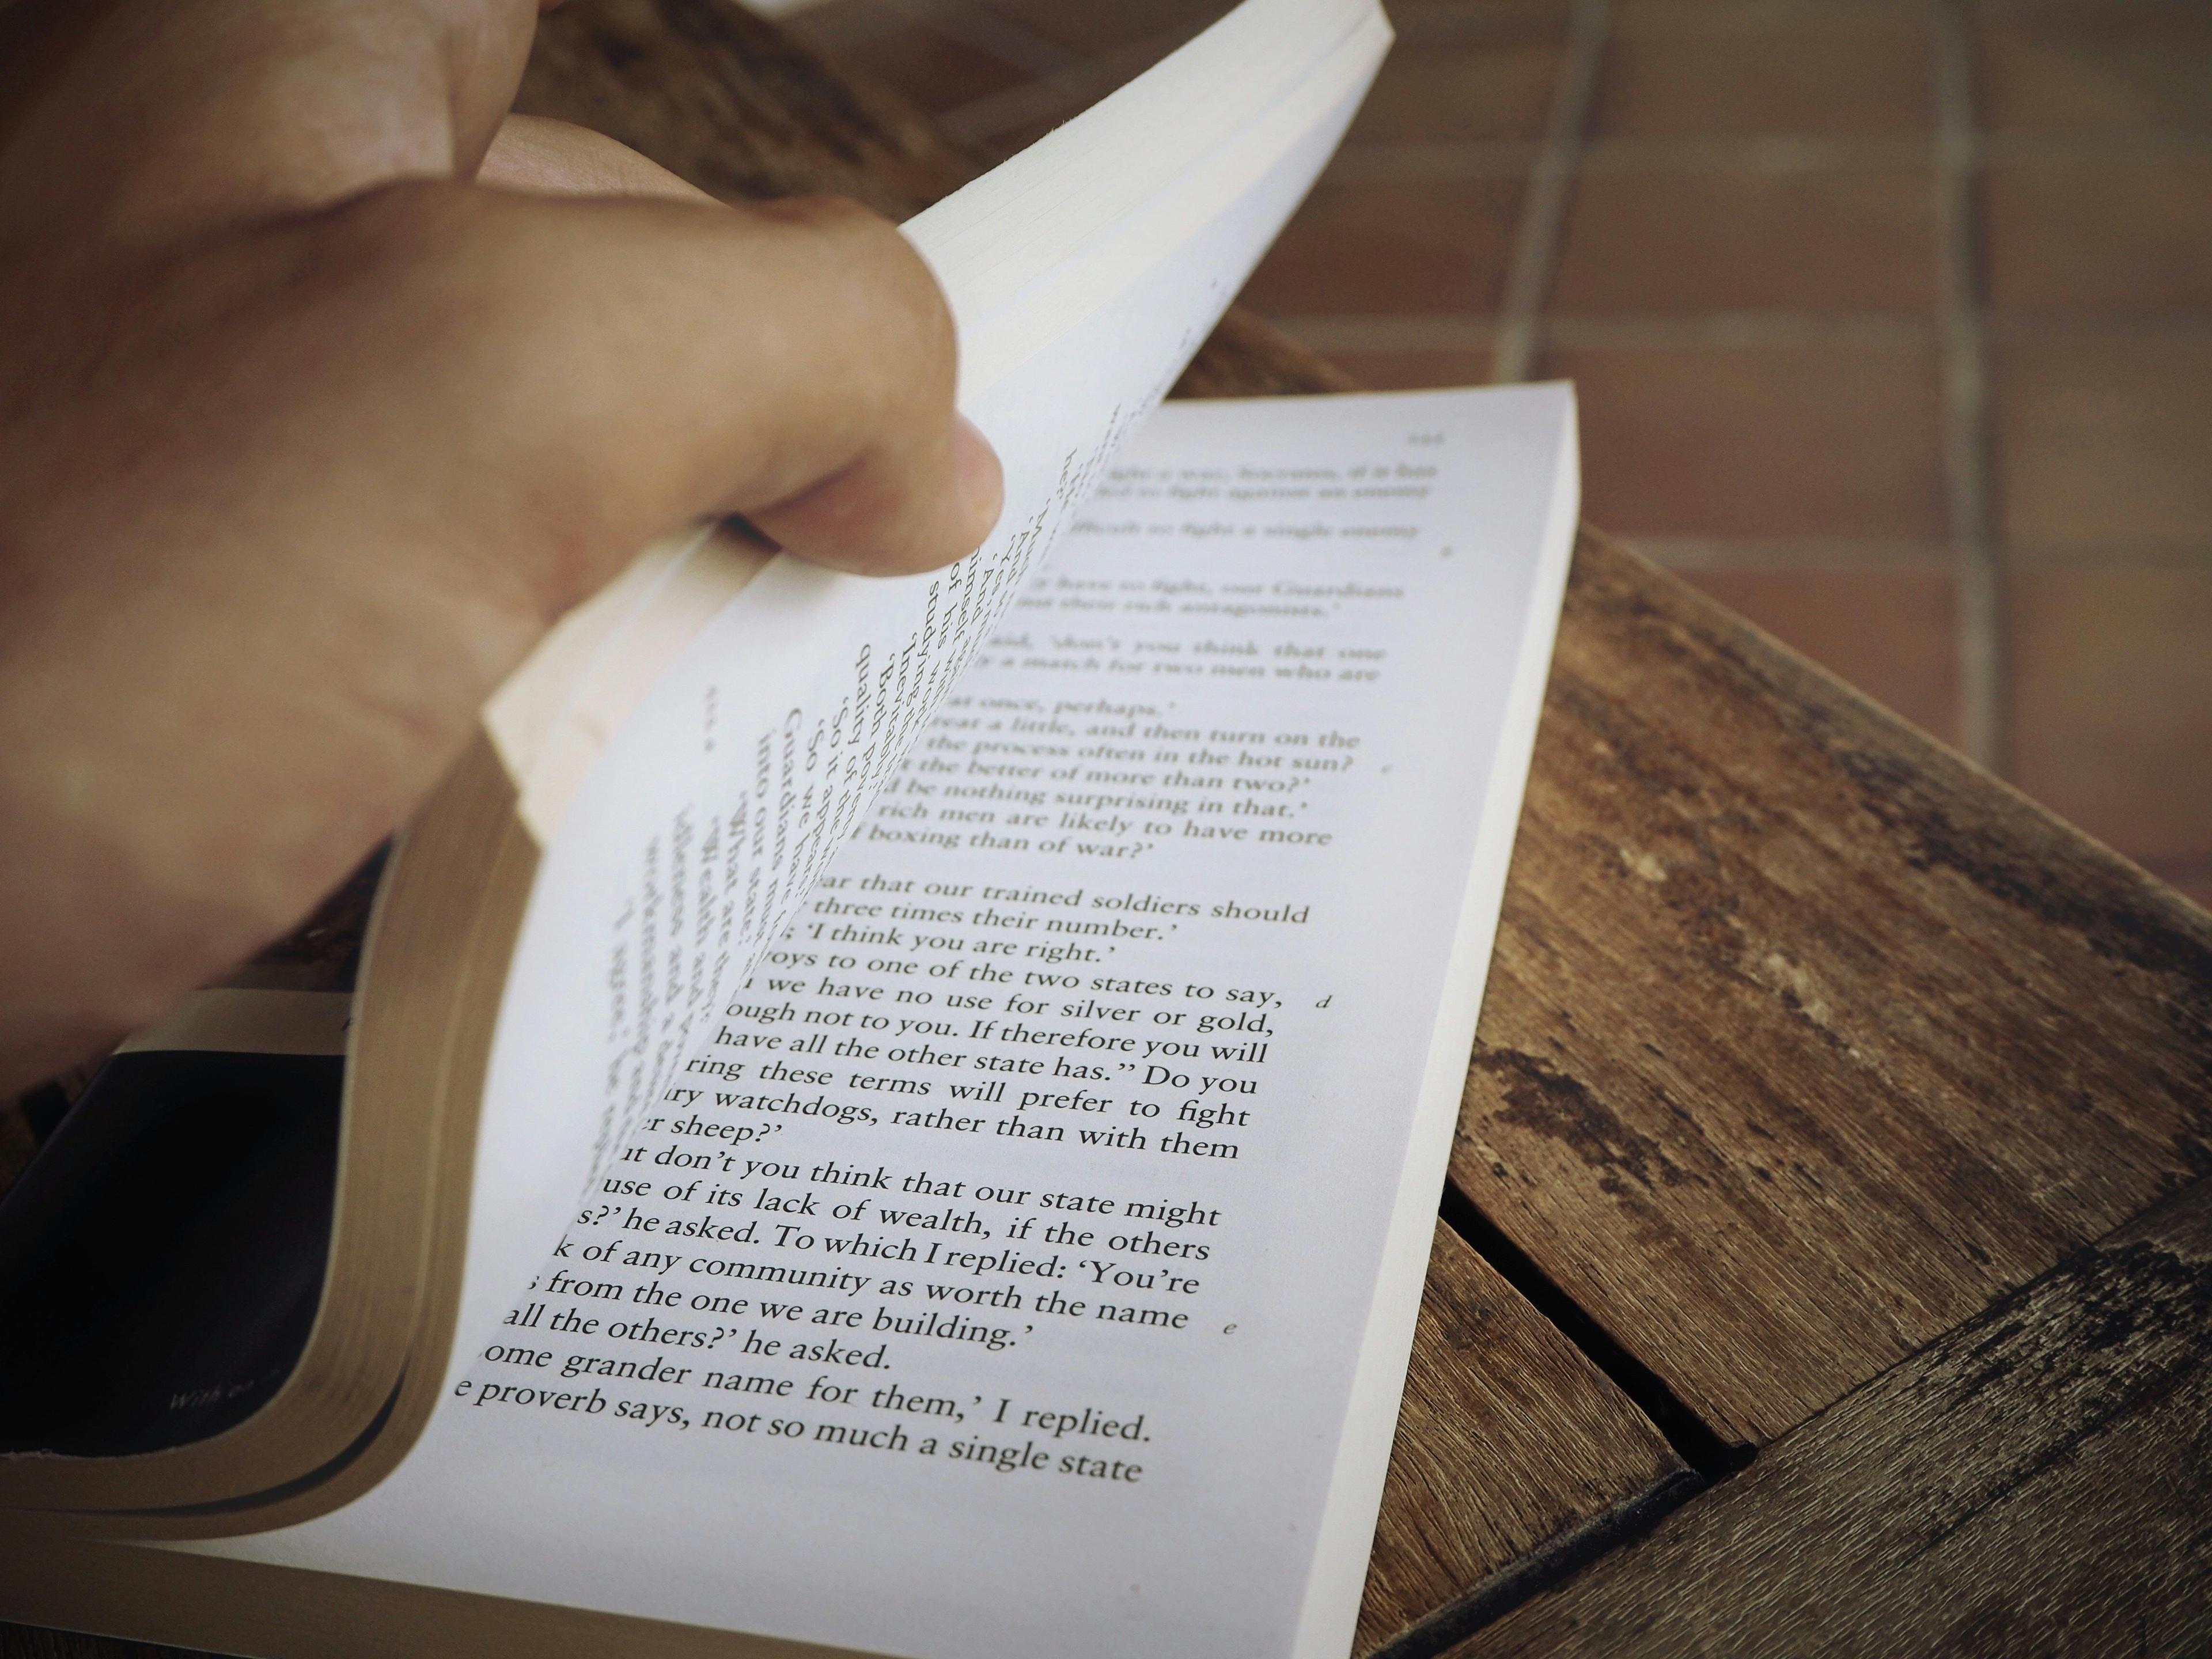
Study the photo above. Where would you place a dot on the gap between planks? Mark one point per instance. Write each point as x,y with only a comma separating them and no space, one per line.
1711,1457
2034,1480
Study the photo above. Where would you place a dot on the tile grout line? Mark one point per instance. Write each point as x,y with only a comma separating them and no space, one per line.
1543,213
1983,666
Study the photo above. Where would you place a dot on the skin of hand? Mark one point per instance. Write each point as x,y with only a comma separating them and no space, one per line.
328,387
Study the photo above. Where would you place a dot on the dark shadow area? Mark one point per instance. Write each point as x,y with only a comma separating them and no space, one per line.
161,1259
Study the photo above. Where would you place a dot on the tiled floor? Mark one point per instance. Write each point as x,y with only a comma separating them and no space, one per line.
1891,319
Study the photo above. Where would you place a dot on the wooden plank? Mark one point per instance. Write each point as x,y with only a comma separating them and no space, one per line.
2037,1481
1244,357
1508,1440
1804,1038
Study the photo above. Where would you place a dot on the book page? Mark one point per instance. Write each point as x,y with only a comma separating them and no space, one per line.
751,758
999,1273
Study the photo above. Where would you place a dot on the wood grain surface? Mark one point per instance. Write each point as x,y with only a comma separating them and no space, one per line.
1508,1440
2037,1481
1804,1039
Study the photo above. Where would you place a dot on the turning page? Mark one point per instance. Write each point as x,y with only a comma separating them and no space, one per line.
684,823
1024,1261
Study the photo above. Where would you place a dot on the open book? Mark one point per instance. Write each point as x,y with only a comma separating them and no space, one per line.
896,1116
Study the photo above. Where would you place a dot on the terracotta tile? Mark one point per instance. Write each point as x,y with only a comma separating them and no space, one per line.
933,70
1499,85
2105,439
1745,239
1893,634
2112,703
1818,72
2101,233
1760,443
1093,26
1357,249
2121,65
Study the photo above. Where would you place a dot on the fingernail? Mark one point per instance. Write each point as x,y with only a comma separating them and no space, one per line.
982,480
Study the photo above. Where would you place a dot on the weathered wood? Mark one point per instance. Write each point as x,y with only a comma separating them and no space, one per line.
2038,1481
1508,1439
1804,1039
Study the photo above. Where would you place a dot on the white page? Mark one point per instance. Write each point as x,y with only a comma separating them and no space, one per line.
751,758
1287,664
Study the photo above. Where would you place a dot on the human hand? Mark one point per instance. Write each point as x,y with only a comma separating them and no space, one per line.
313,419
